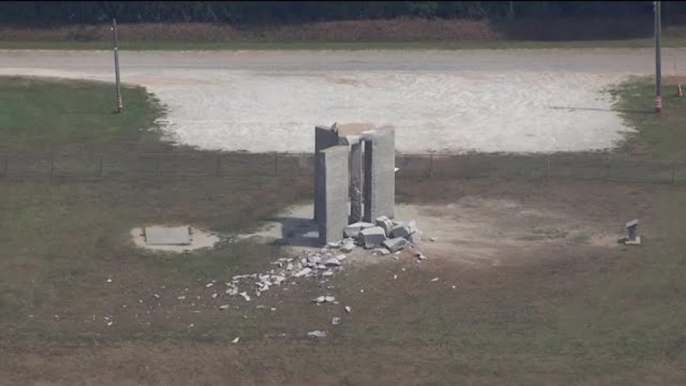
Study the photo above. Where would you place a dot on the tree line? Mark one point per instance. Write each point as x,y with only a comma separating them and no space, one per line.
51,13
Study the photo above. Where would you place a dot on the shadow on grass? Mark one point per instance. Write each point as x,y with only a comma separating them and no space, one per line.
601,109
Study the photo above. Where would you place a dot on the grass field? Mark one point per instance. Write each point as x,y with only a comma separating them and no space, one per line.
579,314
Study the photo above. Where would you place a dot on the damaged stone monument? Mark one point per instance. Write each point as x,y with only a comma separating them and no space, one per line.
353,163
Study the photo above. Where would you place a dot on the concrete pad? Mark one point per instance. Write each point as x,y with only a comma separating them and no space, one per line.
167,236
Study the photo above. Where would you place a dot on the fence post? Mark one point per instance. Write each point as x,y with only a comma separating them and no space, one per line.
673,173
276,164
219,164
431,165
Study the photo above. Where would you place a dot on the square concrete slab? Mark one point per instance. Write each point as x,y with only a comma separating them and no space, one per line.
167,236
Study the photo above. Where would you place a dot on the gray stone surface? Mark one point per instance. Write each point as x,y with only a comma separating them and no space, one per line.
385,223
372,237
400,230
379,174
396,244
333,190
167,236
324,138
353,230
356,182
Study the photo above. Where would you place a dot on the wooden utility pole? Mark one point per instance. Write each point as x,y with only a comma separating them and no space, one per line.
658,58
120,103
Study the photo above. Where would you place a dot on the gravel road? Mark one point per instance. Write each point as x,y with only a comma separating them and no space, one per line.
447,101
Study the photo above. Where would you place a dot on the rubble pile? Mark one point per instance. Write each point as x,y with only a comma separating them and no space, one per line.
384,237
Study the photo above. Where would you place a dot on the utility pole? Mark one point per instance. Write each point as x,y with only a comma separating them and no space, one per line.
658,64
120,103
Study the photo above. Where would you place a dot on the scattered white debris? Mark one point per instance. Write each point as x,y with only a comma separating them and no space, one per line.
303,272
454,287
245,296
224,307
327,273
110,323
362,290
348,309
109,280
208,285
336,321
316,334
273,309
434,279
235,340
395,277
191,325
214,296
156,296
181,297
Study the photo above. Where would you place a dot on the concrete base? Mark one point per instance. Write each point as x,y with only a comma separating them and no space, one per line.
167,236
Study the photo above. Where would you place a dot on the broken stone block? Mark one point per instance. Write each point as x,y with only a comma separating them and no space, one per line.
395,244
385,223
353,230
382,251
336,321
372,237
400,230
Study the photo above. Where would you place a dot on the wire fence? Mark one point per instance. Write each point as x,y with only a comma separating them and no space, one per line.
593,167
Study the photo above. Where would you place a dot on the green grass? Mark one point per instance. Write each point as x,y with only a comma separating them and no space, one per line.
327,45
659,136
579,315
71,116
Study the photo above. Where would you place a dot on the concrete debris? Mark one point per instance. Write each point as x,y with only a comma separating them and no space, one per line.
181,297
434,279
395,244
109,280
303,272
348,309
400,230
110,323
395,277
381,251
341,257
327,273
156,296
224,307
235,340
316,334
245,296
453,287
336,321
353,230
332,262
372,237
214,296
386,224
334,244
347,246
208,285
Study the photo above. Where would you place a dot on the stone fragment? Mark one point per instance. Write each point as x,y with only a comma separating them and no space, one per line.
303,272
353,230
348,309
400,230
336,321
316,334
372,237
385,223
347,246
332,262
395,244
